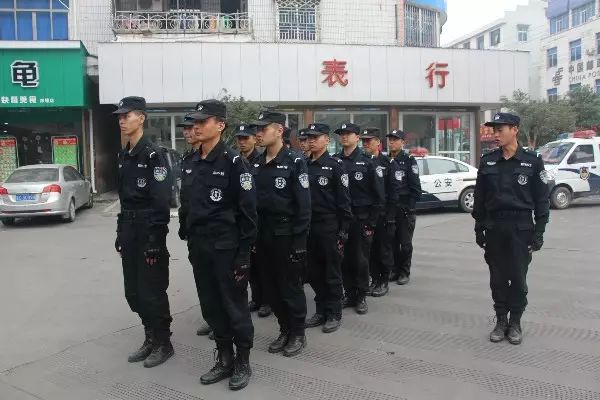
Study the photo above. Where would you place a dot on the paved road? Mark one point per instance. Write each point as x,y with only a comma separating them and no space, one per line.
66,328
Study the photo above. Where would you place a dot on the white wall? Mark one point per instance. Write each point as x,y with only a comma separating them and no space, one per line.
291,73
91,22
587,34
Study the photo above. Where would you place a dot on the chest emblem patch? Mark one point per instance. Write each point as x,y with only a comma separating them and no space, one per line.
323,180
141,182
358,176
216,194
280,182
523,180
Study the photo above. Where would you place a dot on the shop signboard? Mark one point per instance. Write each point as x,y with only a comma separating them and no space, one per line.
8,156
42,77
65,150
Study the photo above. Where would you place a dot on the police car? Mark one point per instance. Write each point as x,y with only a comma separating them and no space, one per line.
573,167
446,182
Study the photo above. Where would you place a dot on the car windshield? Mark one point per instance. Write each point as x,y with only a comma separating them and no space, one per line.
553,153
33,175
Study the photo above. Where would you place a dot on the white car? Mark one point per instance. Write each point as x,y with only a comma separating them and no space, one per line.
44,190
446,182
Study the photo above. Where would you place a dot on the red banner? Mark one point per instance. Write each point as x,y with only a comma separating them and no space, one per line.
8,142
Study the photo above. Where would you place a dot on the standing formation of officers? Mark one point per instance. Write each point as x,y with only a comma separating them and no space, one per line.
280,218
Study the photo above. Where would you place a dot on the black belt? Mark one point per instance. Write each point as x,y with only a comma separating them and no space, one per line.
510,214
127,215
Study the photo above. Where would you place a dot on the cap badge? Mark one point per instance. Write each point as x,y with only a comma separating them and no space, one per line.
344,126
261,116
242,127
312,127
496,117
121,103
394,131
200,107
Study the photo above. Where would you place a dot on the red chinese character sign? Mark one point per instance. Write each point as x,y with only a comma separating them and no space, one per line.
436,72
335,71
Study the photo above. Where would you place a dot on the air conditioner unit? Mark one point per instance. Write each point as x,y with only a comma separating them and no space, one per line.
150,5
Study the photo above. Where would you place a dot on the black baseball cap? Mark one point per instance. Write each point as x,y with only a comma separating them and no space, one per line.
245,130
397,133
131,103
302,134
504,119
269,117
369,133
209,108
188,122
348,127
317,130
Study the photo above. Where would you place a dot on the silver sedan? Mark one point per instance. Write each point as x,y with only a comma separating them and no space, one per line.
44,190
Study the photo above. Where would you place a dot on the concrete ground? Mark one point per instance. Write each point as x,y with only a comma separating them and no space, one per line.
66,328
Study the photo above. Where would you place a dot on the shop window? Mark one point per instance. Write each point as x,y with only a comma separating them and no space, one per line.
582,154
420,130
297,20
480,43
575,50
552,55
34,20
453,137
559,23
523,33
495,37
583,14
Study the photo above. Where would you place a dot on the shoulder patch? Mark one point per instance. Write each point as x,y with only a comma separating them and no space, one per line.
160,173
303,178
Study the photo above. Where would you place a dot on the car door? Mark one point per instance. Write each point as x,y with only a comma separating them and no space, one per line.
83,187
428,199
582,162
74,185
445,179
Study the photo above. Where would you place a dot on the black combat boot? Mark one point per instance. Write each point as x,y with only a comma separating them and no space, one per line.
241,370
161,351
361,305
143,352
278,344
224,364
403,280
349,299
497,335
372,287
316,320
332,324
380,290
515,333
394,276
294,346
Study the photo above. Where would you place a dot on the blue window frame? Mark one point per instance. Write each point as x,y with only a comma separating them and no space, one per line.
552,57
552,94
583,14
574,86
34,19
575,49
559,24
597,85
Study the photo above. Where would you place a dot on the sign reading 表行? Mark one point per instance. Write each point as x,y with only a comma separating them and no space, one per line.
44,77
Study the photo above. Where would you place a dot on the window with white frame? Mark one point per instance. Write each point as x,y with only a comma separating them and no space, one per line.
495,37
552,57
420,26
34,19
583,14
575,50
297,20
559,23
523,33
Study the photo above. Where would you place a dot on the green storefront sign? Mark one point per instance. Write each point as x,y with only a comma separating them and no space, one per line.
43,77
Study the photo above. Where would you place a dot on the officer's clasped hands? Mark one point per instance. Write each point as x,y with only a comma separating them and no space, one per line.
241,271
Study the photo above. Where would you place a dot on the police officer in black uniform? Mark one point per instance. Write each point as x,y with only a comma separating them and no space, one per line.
144,192
331,219
186,169
367,193
221,224
286,137
303,143
511,185
382,252
406,191
245,137
284,218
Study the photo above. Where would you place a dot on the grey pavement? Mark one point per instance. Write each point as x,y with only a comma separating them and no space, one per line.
66,328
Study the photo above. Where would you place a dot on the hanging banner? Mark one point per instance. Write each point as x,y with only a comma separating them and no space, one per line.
65,150
8,156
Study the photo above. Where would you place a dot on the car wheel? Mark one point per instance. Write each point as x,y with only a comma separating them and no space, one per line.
466,201
90,203
8,221
71,213
561,198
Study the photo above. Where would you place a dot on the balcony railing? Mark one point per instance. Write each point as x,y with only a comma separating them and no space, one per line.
180,21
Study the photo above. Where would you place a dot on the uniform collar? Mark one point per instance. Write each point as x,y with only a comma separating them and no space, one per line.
141,144
320,160
278,158
212,155
519,155
354,155
255,153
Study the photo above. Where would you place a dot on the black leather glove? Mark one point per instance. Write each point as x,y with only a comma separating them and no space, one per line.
537,241
153,250
241,269
298,252
182,232
342,238
480,235
118,246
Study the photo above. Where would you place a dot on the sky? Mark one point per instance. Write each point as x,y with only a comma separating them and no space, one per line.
465,16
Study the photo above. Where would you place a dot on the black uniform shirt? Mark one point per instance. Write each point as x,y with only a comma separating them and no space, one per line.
186,184
145,181
367,187
516,184
329,190
222,198
283,189
253,161
404,181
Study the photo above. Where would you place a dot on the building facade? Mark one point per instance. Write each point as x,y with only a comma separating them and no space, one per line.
571,50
